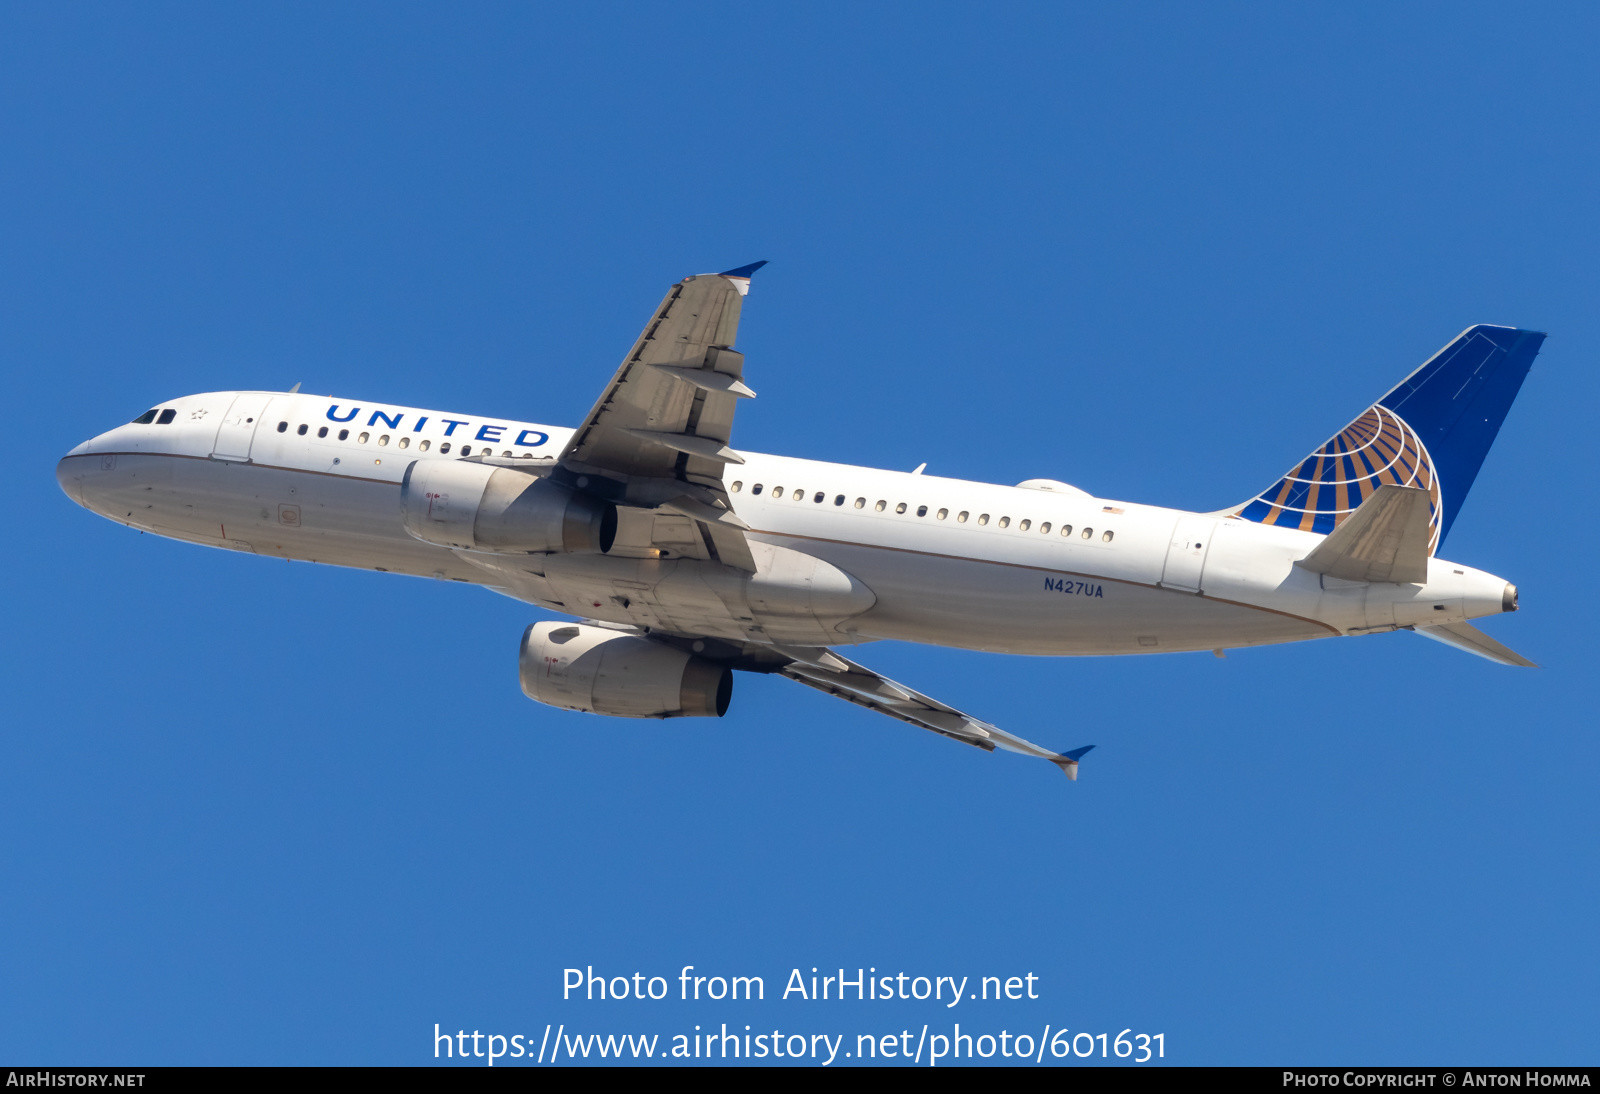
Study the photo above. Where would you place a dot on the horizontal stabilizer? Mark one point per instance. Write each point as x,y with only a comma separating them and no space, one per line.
1464,636
1385,539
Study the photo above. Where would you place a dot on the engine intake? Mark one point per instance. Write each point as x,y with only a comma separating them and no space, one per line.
602,671
476,507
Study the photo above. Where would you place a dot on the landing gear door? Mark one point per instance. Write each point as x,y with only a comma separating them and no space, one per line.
238,428
1186,554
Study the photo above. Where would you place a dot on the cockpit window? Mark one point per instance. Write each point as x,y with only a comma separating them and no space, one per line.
146,418
166,416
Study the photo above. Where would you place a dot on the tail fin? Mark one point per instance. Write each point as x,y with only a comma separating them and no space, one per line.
1432,431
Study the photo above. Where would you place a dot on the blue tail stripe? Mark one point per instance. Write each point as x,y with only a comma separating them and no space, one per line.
1458,399
1431,431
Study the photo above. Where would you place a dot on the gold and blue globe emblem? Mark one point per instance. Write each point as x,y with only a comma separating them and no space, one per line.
1377,448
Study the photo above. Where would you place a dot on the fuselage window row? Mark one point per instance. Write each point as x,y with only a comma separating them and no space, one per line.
424,445
1023,525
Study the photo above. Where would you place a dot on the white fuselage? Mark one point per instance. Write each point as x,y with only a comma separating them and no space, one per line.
948,562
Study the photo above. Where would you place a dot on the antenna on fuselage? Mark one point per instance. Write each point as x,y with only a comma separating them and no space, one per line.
295,388
920,468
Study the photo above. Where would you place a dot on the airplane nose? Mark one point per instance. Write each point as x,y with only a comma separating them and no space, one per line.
70,479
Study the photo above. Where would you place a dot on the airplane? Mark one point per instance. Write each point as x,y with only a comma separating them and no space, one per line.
684,559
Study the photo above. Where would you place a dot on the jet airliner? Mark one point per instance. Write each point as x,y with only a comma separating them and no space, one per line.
683,559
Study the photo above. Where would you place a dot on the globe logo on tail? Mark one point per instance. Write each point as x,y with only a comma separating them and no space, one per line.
1376,449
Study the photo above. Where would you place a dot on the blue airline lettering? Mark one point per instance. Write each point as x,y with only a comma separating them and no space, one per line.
392,424
422,421
332,417
522,438
484,431
452,423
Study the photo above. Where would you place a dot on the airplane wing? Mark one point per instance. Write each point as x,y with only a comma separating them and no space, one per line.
658,436
826,671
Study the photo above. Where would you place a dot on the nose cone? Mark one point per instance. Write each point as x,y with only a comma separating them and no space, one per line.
69,473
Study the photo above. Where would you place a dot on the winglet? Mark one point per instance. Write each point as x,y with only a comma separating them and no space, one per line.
1068,761
741,276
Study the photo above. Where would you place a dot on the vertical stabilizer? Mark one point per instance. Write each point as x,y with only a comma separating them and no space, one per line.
1431,432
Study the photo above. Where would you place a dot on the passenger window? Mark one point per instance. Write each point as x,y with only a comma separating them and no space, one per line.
466,450
1088,533
961,517
323,432
736,487
444,448
943,513
1005,522
363,438
423,446
819,497
983,518
922,510
756,489
1066,529
506,453
1107,537
861,503
302,429
344,434
1024,525
881,505
1044,529
283,427
799,495
777,493
839,500
383,440
405,442
146,418
901,508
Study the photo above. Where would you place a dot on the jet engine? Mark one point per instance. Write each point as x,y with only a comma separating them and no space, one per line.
579,667
477,507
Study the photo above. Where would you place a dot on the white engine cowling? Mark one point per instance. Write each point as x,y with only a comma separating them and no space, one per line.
602,671
477,507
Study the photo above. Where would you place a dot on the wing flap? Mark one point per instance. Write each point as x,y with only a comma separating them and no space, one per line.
1385,539
707,448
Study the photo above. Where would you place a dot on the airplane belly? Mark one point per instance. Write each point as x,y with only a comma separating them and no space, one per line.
264,510
793,597
1004,608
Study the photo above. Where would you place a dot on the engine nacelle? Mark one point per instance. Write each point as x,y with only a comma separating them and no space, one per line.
477,507
579,667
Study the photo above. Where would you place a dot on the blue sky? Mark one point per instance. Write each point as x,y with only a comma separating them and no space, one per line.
276,813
